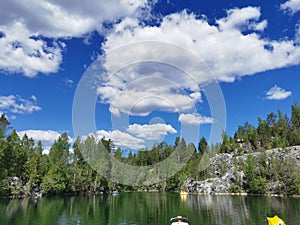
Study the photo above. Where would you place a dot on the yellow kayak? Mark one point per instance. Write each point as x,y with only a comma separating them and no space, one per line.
183,193
275,221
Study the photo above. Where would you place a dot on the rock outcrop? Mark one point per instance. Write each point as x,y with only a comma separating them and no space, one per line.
224,170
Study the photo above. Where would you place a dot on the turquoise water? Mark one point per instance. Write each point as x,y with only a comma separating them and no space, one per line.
148,209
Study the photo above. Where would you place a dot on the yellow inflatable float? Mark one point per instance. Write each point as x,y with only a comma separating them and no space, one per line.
275,221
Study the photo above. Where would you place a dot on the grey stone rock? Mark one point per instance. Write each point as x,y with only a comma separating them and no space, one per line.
223,172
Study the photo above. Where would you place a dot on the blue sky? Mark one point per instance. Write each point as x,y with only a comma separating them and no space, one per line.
160,66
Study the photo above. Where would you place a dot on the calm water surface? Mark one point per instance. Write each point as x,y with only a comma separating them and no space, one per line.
148,209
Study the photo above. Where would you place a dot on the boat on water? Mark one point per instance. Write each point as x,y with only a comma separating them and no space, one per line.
115,192
275,221
179,220
183,193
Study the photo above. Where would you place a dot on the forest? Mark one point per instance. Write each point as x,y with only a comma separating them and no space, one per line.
67,172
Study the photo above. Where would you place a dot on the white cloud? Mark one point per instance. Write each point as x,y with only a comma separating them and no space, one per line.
242,19
121,139
277,93
291,6
194,119
56,18
141,89
141,103
69,82
136,136
233,48
297,33
227,51
23,23
42,135
47,137
24,53
18,105
152,131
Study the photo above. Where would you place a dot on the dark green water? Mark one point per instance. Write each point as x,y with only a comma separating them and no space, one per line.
148,209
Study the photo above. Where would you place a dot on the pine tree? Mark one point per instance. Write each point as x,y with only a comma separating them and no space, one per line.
56,179
202,146
295,116
4,126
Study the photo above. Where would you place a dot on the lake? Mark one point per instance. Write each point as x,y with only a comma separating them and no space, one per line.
148,209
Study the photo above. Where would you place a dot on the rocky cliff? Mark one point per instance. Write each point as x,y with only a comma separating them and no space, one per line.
227,170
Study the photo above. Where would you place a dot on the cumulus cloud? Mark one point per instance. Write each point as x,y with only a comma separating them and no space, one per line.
23,52
227,50
140,89
18,105
136,136
152,131
194,119
242,19
277,93
55,18
42,135
291,6
121,139
47,137
24,23
234,47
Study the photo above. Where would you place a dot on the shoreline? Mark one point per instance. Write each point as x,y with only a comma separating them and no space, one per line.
156,191
246,194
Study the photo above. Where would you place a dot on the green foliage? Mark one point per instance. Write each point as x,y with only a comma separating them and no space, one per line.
263,164
173,183
222,166
289,177
64,172
282,175
257,183
250,168
56,179
234,188
227,145
295,118
277,130
4,187
202,146
36,165
4,126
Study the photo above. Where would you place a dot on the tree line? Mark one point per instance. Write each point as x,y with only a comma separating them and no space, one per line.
69,172
276,131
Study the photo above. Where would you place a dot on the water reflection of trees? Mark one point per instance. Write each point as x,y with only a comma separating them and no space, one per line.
240,210
148,209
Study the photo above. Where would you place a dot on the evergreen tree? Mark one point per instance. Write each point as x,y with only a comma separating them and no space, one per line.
14,156
294,138
257,184
181,148
295,116
36,166
202,146
227,144
4,126
264,133
56,179
282,131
